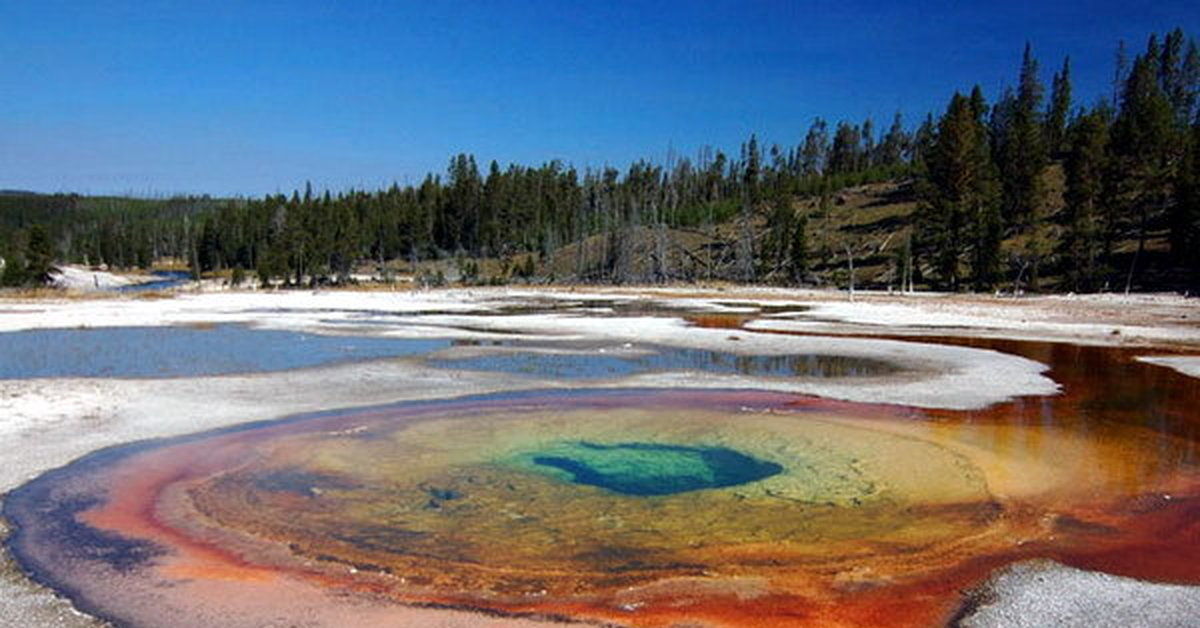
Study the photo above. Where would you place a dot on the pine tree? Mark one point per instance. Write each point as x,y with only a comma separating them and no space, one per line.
751,190
1179,75
1185,214
459,227
1024,155
1000,127
867,152
798,253
958,212
894,144
814,153
1143,142
194,263
845,156
1120,73
1085,166
779,233
1185,99
14,263
1060,106
987,227
39,256
922,142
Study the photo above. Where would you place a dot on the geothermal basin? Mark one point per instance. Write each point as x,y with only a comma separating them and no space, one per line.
554,468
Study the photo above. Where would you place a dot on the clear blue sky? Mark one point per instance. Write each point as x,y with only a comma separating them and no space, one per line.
257,97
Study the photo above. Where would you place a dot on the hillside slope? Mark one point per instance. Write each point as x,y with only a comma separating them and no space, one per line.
872,223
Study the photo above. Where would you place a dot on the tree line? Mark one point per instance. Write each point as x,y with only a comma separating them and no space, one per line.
1129,166
39,229
515,212
988,211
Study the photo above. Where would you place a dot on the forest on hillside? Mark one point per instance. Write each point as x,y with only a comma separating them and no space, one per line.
1029,191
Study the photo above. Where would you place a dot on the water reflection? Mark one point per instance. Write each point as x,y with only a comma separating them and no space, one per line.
652,359
695,313
1105,390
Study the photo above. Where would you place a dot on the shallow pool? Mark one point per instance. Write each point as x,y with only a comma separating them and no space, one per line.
182,351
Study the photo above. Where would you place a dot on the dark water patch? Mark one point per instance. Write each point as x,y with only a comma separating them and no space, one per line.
646,469
444,494
174,351
166,279
765,308
54,501
370,326
78,541
478,342
1073,525
592,307
599,307
585,365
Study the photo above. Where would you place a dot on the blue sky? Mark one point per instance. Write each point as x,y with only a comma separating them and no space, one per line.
250,98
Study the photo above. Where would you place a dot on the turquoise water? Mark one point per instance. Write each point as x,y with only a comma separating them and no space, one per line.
646,469
151,352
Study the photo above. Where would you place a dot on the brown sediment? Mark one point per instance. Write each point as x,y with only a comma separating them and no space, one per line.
719,320
1105,392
